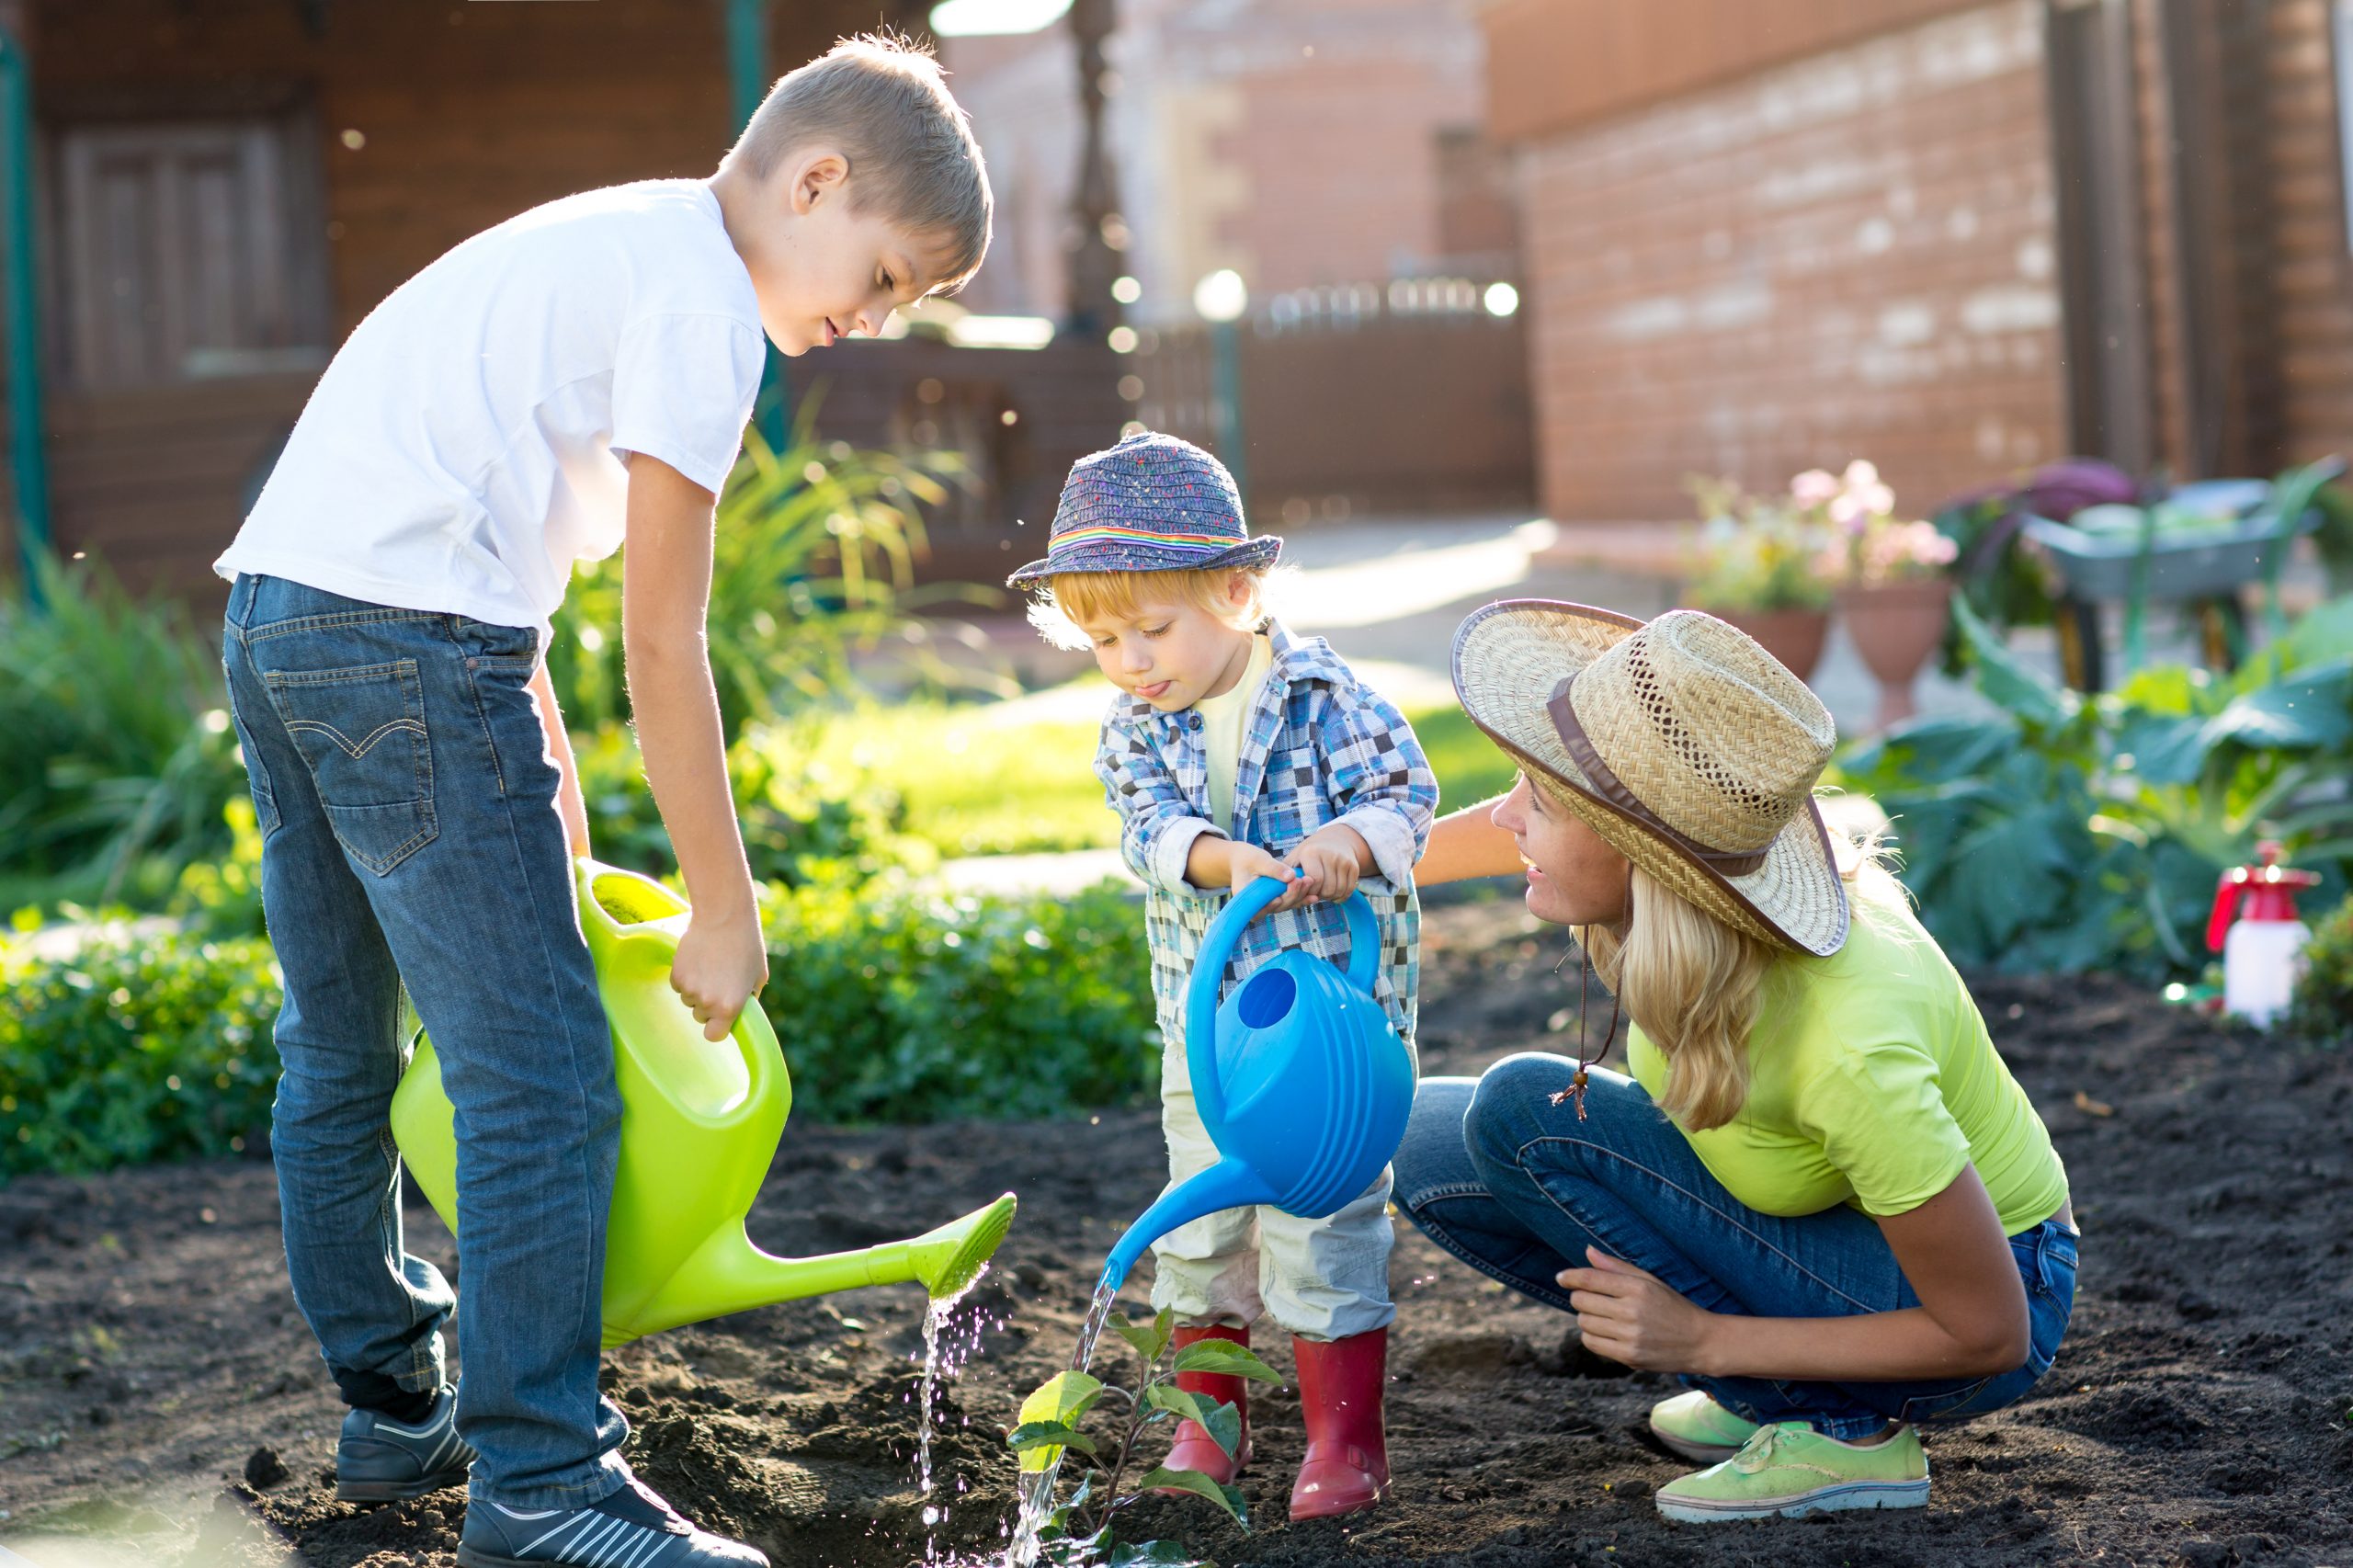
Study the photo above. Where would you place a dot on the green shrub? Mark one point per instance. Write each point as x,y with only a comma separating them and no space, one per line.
118,752
2323,1008
891,1005
804,816
138,1047
897,1005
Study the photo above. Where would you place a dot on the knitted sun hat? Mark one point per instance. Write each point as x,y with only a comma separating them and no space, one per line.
1682,742
1151,503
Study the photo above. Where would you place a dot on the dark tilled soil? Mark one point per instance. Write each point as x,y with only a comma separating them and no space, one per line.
161,1403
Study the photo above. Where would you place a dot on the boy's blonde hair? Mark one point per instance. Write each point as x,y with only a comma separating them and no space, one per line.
1071,597
882,100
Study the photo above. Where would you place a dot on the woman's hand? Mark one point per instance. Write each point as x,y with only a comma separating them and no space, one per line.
1631,1317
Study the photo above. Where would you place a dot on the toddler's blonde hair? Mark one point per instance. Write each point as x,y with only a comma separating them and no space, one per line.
1070,597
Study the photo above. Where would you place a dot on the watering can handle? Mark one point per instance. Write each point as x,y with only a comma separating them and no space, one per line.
1209,969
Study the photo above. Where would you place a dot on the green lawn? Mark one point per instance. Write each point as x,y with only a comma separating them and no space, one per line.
973,783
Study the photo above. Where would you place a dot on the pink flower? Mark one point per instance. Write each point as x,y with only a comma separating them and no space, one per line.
1812,487
1861,475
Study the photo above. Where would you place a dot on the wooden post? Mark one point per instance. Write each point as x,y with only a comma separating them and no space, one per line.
2095,165
1089,310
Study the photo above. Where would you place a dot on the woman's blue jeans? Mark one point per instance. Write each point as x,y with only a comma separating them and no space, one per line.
410,837
1518,1187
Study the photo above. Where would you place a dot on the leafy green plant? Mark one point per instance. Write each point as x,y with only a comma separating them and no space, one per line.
2065,834
811,564
120,754
1077,1529
2322,1008
140,1046
898,1003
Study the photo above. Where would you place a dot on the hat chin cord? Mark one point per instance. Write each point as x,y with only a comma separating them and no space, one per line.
1624,927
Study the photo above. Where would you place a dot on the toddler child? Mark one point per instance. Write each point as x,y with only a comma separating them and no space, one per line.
1236,751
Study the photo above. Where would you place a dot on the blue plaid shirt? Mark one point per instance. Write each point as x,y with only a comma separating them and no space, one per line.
1321,747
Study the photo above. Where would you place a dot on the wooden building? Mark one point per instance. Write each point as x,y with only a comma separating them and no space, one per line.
1955,236
224,189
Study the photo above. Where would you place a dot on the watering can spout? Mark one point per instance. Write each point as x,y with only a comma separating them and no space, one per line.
1228,1184
729,1274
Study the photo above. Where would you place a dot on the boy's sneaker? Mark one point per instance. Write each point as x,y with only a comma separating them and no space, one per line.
632,1526
1696,1426
379,1459
1789,1468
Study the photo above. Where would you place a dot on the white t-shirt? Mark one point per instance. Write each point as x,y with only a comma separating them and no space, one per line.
469,442
1224,721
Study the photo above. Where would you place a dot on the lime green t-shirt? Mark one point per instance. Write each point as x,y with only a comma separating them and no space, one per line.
1873,1083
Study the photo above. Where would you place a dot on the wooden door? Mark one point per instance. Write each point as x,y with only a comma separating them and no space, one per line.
187,250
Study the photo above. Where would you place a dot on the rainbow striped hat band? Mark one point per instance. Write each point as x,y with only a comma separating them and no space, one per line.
1150,504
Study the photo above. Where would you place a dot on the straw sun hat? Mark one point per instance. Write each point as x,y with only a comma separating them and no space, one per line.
1691,750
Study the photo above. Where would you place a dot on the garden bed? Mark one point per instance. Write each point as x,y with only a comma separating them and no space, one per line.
149,1350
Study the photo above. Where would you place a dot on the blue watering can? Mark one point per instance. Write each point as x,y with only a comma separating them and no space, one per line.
1302,1083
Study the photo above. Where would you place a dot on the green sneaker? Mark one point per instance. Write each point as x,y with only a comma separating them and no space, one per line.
1789,1468
1696,1426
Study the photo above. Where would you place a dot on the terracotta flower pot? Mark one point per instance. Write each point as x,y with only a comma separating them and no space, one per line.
1895,628
1793,636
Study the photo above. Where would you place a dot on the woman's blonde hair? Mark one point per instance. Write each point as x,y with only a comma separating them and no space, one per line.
1697,985
1072,597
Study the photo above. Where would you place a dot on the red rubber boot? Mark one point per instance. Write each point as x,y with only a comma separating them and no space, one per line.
1340,1387
1195,1449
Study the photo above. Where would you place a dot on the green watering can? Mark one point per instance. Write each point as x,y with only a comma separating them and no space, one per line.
701,1121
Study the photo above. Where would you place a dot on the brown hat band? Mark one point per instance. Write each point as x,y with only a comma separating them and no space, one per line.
1607,785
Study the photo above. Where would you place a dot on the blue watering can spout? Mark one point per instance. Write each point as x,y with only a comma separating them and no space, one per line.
1228,1184
1299,1080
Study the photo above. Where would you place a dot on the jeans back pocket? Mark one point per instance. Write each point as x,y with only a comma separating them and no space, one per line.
361,732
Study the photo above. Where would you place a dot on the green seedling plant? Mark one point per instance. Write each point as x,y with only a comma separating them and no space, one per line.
1055,1424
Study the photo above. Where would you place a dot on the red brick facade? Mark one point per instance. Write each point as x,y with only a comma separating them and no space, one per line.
1835,231
1850,255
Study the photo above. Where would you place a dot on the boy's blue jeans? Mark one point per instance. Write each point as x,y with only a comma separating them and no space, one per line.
1518,1187
410,836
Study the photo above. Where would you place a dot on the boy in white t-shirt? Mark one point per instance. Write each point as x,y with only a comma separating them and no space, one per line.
576,376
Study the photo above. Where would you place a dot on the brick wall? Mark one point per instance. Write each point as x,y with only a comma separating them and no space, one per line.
1340,160
1849,255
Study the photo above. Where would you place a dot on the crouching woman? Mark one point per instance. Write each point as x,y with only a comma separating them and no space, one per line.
1819,1196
